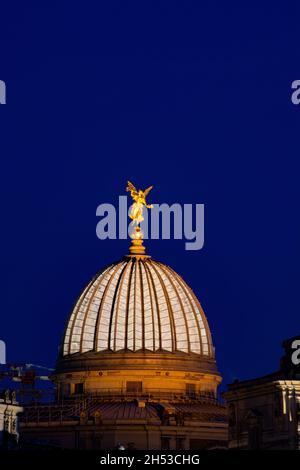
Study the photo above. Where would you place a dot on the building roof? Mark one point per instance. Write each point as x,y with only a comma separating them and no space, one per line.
123,411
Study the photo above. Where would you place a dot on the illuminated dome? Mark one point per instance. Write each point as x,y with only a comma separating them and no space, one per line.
136,361
137,304
137,327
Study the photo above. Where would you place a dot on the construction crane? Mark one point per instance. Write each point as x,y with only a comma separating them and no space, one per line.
29,381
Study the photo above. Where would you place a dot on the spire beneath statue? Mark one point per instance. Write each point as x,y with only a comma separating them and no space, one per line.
136,215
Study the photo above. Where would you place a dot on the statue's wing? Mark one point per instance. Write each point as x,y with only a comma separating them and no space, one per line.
131,188
147,191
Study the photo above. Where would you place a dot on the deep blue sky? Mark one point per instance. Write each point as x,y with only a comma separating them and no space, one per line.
192,97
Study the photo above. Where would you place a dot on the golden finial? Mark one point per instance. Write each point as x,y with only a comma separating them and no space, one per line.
136,214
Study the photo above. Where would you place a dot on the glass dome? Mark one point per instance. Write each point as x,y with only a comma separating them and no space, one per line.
137,304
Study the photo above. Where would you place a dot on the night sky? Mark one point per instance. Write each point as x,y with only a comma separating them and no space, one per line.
192,97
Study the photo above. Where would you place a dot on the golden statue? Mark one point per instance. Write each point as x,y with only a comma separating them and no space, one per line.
139,197
136,214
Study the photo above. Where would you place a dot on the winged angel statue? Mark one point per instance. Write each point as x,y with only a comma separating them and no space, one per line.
139,198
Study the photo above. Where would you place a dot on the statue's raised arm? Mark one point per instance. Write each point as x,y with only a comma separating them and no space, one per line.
133,192
139,198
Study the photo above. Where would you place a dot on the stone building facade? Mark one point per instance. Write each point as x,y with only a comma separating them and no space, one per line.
264,413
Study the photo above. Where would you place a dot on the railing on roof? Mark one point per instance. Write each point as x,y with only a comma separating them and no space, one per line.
155,394
69,409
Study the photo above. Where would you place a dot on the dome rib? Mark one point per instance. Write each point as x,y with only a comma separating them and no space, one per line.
127,304
142,305
149,322
192,298
155,302
178,281
117,310
169,309
92,299
134,308
165,271
79,304
114,311
205,331
101,305
90,319
131,310
202,323
70,327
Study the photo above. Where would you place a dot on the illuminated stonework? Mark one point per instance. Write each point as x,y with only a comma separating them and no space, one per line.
136,365
138,304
